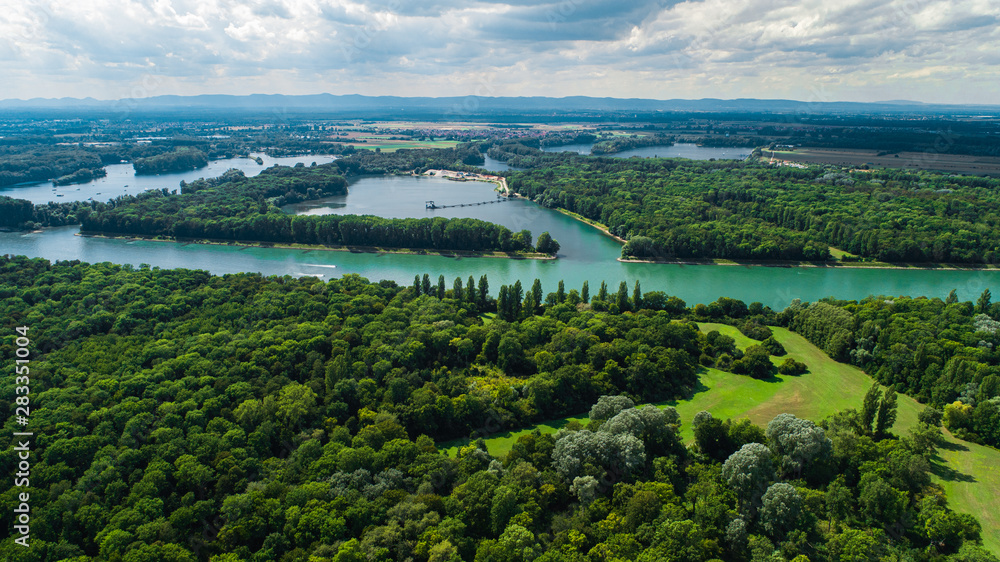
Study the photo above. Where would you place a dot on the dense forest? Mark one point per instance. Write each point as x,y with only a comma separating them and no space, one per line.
21,214
463,157
41,162
558,138
628,142
233,207
176,161
665,208
82,175
180,416
944,353
34,156
675,209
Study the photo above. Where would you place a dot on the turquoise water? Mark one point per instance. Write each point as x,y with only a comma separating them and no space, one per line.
586,254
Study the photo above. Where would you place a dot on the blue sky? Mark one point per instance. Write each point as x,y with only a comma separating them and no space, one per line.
871,50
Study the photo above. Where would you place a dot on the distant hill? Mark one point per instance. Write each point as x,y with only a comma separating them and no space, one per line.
471,105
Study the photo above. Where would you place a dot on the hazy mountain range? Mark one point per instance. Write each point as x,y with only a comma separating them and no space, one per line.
473,105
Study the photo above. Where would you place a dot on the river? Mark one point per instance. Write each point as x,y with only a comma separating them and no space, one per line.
121,179
586,254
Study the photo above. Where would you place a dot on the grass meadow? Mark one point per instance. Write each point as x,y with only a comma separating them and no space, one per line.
969,473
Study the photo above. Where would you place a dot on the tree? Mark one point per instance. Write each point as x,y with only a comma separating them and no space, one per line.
886,414
797,443
952,297
773,346
755,362
608,407
470,290
504,507
561,292
620,453
440,287
748,472
855,545
602,293
869,409
622,298
516,296
983,302
546,244
839,500
780,509
503,304
425,285
585,293
457,289
711,436
636,296
416,285
880,503
792,367
638,246
585,488
536,292
510,355
484,290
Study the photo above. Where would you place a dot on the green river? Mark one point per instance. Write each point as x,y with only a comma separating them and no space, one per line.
586,254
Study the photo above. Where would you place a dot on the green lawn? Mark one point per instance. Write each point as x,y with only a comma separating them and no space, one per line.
970,476
969,473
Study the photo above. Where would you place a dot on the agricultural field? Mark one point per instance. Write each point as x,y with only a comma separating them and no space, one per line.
968,472
389,145
930,160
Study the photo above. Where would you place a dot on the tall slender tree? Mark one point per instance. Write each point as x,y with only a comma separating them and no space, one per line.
484,290
983,303
869,409
622,298
516,296
503,303
886,414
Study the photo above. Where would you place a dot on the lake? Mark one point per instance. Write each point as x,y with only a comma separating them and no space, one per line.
586,254
121,179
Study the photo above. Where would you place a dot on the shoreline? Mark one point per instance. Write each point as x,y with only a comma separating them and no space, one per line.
820,265
598,226
352,249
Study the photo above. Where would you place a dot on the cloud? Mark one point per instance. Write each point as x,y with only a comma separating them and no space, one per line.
939,50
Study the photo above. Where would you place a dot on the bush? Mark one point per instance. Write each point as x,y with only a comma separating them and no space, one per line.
754,330
792,367
773,346
755,362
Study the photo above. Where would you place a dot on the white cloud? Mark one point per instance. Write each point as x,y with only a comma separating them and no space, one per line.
933,50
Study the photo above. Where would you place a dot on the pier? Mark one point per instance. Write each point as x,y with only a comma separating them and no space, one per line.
432,205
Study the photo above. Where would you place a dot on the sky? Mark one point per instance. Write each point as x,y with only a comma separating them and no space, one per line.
937,51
